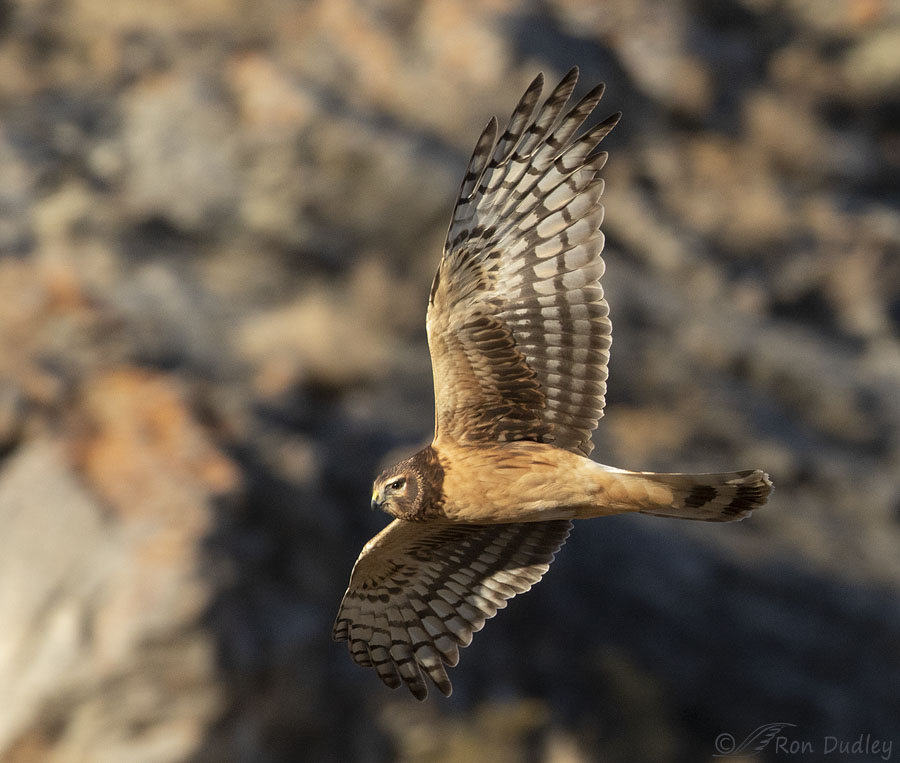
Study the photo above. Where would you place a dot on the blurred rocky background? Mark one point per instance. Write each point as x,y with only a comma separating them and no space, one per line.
218,224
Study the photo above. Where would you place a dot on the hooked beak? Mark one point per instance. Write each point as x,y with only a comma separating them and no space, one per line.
376,500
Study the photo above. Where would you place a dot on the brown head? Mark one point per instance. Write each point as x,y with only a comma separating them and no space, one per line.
410,489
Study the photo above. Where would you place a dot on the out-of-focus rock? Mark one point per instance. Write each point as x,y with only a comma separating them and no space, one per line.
328,339
108,490
721,189
93,645
392,60
143,452
50,330
838,19
15,197
788,134
872,66
41,563
12,413
180,152
498,732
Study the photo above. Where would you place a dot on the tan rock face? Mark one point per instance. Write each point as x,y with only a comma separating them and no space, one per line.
107,496
144,453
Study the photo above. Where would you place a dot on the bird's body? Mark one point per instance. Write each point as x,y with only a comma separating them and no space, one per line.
518,482
508,482
519,335
523,481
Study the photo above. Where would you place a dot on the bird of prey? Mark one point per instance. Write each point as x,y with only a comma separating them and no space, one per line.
519,335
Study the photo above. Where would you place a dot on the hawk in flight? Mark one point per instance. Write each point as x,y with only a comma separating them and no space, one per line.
519,335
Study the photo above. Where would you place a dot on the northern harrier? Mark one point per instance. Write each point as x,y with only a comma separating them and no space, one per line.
519,335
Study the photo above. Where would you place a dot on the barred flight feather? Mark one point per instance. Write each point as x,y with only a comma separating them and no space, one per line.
418,593
518,284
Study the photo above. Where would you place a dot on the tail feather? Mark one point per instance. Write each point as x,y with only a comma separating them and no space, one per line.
725,497
712,497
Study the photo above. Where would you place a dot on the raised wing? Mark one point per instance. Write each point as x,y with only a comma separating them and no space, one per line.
419,590
517,324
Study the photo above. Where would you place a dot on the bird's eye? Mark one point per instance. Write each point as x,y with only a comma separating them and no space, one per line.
397,484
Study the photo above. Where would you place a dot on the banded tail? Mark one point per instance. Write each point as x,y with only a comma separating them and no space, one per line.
725,497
